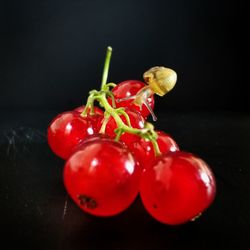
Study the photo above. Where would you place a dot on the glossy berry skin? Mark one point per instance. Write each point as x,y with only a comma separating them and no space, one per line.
67,131
178,187
102,177
131,88
136,120
143,149
94,119
95,137
96,110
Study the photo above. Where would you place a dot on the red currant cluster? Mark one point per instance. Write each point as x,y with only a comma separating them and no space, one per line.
113,154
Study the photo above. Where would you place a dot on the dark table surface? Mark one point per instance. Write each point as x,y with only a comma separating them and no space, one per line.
36,213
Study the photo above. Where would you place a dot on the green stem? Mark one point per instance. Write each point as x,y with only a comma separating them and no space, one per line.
147,132
88,105
118,134
120,124
110,93
104,123
121,111
111,84
106,67
156,147
101,96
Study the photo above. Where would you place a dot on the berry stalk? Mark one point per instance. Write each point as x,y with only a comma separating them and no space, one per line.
101,96
106,67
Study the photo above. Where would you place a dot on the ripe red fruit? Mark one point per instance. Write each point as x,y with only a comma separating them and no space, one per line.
177,188
144,150
66,131
94,137
102,177
96,110
130,88
94,119
136,121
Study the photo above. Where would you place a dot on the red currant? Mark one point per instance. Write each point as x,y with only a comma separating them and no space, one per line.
66,131
95,119
94,137
96,110
130,88
177,188
136,121
102,177
144,150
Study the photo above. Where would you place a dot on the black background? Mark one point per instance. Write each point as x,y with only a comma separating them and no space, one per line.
52,54
53,51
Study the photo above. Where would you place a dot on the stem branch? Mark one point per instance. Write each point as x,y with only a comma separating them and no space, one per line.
106,67
101,96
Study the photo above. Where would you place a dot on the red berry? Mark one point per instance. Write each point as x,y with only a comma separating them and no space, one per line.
95,119
130,88
90,139
96,110
144,150
102,177
66,131
94,137
177,188
136,121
